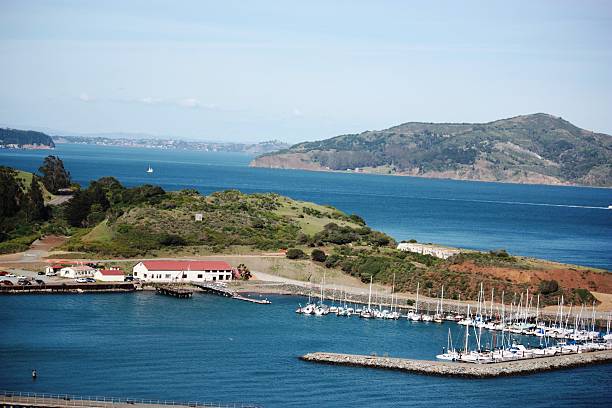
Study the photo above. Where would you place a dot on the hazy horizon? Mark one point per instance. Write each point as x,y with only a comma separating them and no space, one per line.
292,71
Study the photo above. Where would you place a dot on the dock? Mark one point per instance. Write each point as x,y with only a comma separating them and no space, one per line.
69,287
174,291
43,400
219,290
466,370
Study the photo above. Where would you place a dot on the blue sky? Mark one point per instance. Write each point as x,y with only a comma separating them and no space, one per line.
259,70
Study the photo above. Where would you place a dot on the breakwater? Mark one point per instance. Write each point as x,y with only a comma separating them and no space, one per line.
468,370
69,288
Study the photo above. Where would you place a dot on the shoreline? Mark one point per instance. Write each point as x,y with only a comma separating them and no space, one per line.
323,170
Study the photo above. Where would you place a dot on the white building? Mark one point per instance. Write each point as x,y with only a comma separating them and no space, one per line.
79,271
428,249
177,271
109,275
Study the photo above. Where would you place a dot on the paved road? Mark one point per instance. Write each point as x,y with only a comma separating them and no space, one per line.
59,200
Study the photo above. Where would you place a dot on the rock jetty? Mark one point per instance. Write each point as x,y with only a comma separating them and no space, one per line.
468,370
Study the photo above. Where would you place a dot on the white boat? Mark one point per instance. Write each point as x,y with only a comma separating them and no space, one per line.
150,169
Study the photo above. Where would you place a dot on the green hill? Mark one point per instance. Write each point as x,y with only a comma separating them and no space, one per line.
24,139
142,220
538,148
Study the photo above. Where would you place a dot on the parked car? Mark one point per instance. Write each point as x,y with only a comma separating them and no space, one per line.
52,273
7,283
90,280
41,273
81,280
3,273
21,277
40,282
11,275
24,282
128,278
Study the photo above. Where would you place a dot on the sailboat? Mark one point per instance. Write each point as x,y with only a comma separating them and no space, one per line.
449,353
367,314
150,169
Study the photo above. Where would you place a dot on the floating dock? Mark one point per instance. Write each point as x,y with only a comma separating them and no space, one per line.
177,292
219,290
444,368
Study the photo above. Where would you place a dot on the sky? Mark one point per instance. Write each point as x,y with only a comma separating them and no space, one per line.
299,70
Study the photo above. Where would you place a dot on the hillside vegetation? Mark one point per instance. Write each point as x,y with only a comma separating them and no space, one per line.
536,148
137,221
24,138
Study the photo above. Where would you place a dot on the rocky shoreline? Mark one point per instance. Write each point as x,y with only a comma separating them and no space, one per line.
466,370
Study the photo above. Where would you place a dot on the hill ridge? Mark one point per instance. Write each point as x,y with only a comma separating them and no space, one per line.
535,148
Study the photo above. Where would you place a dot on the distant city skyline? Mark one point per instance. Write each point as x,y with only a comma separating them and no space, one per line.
294,71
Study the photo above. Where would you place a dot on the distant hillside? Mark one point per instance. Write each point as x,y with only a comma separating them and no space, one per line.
13,138
249,148
538,148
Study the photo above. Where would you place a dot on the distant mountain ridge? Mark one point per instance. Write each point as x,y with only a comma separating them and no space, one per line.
13,138
536,149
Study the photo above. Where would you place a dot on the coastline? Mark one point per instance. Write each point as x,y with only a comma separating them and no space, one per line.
429,177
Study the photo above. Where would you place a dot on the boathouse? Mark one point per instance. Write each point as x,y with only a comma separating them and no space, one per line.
109,275
187,271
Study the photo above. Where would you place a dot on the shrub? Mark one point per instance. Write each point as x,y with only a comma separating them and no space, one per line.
548,287
332,260
318,256
295,253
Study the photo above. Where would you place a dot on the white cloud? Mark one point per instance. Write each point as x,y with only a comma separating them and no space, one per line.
150,101
85,97
298,113
189,103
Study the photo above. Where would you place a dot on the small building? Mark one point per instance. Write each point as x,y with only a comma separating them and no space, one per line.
51,269
78,271
109,275
182,271
199,216
428,249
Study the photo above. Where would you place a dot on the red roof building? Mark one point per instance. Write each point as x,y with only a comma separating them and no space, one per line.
177,271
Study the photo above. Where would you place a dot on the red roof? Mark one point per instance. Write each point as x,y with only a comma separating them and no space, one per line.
111,272
187,265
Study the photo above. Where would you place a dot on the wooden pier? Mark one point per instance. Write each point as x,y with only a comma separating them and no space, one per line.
450,369
174,291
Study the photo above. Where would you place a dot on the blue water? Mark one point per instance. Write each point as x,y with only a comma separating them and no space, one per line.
566,224
208,348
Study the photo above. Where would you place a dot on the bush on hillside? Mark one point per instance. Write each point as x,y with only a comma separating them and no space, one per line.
318,255
295,253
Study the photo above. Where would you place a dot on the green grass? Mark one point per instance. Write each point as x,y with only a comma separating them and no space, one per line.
100,233
26,179
310,224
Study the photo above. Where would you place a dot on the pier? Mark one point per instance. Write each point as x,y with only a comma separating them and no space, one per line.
69,287
219,290
174,291
43,400
467,370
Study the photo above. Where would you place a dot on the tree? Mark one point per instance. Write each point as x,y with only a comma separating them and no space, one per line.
55,176
35,204
295,253
10,192
243,272
318,256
